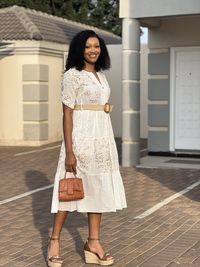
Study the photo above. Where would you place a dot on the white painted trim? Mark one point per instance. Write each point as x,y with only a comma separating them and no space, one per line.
130,111
158,102
38,51
35,102
130,142
157,77
157,129
130,81
184,48
35,82
131,51
35,122
158,50
171,98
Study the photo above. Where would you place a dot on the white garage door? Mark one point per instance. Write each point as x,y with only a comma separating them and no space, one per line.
187,100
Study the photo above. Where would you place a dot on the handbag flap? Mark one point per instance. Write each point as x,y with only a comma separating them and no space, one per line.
70,185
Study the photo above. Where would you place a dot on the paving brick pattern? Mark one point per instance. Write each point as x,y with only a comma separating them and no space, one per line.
169,237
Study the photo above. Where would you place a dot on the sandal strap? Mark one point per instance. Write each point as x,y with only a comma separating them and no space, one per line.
105,256
56,259
54,238
91,238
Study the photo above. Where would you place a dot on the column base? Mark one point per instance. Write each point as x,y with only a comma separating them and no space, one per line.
130,154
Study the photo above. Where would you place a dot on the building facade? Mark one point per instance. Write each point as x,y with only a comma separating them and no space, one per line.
32,58
173,76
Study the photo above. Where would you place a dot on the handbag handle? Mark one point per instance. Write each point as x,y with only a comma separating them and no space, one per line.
70,172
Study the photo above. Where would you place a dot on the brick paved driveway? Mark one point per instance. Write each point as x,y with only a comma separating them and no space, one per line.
168,237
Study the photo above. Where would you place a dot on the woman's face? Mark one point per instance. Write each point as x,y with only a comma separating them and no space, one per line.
92,50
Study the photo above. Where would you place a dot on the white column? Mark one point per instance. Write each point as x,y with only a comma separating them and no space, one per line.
131,92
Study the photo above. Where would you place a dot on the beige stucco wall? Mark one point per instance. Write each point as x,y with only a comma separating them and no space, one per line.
172,33
8,95
11,115
11,90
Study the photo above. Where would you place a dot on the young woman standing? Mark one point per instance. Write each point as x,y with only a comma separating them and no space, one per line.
89,148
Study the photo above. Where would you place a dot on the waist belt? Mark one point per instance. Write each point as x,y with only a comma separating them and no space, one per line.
96,107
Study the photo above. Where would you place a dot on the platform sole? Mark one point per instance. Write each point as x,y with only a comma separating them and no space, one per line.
53,264
94,259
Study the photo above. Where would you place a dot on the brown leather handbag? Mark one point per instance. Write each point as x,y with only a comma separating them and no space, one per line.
71,189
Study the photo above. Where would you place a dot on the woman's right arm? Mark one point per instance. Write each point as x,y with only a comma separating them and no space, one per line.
70,160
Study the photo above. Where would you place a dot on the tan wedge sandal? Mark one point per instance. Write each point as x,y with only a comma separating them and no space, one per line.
54,261
92,257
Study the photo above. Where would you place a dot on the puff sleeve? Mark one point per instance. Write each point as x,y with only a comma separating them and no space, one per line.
69,89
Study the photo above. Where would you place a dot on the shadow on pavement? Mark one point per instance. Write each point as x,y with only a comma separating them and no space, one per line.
43,219
175,179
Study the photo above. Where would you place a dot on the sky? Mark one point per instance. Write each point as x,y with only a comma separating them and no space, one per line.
144,37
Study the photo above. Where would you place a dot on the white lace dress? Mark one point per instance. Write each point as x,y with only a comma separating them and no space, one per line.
93,145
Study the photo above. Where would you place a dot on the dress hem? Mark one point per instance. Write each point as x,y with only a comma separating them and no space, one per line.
92,211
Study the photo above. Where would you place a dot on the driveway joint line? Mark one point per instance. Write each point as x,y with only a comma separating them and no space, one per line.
166,201
25,194
36,150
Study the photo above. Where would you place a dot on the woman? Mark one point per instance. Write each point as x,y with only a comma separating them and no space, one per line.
89,148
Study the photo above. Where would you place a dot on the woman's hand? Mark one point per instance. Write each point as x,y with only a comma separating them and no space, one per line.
70,162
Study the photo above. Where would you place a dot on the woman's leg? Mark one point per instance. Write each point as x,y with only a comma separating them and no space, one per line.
94,223
59,219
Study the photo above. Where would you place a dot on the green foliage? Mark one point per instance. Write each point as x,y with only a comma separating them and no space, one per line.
103,14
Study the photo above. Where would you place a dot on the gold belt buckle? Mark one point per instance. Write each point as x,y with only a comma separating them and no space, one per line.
107,108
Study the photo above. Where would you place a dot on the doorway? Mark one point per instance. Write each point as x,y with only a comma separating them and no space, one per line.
185,99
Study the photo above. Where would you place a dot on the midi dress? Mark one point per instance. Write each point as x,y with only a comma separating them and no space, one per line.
93,145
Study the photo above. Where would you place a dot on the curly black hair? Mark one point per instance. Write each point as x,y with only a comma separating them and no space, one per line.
76,51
